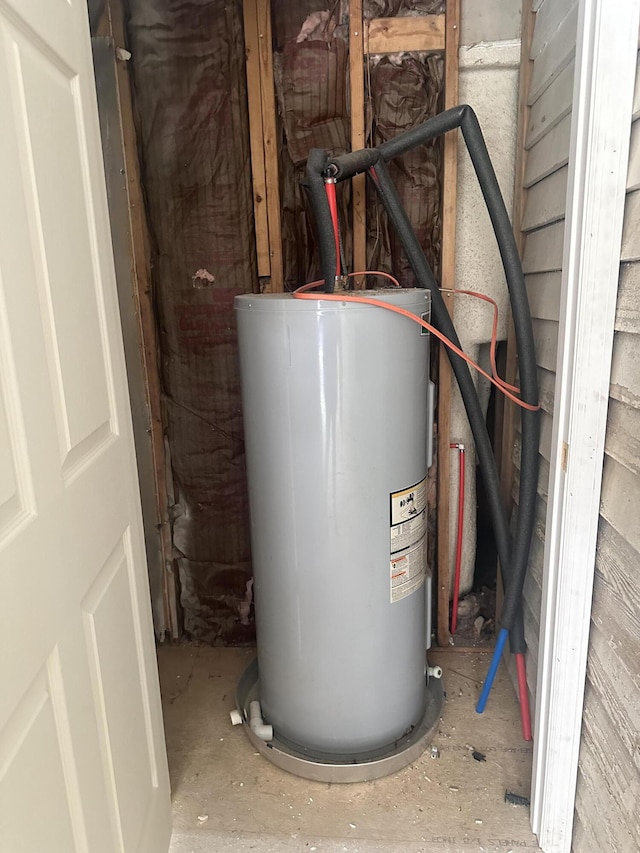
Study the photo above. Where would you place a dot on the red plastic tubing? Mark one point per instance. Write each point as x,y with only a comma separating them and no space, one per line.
523,693
456,580
330,189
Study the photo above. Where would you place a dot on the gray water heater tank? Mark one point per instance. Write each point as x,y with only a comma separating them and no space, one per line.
335,398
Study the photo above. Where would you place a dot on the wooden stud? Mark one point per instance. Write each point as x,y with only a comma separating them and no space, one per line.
448,269
103,26
270,143
141,283
358,184
258,175
394,35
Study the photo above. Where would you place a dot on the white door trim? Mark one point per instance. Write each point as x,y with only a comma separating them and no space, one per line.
607,44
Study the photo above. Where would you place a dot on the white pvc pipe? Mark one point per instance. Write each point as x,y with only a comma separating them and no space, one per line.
257,724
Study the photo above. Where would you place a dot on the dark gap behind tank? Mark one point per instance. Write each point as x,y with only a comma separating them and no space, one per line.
191,103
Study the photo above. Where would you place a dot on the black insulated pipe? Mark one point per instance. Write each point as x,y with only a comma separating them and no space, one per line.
441,319
317,163
463,117
353,163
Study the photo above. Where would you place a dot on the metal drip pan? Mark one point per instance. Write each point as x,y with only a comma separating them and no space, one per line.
337,768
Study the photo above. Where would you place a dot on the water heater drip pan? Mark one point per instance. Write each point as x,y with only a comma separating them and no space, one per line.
337,768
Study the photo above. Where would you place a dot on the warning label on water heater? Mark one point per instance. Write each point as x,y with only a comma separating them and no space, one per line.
407,540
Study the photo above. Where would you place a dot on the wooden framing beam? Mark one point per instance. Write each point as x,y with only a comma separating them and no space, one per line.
358,184
270,144
142,295
394,35
258,174
448,269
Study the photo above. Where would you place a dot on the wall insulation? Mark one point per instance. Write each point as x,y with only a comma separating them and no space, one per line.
190,93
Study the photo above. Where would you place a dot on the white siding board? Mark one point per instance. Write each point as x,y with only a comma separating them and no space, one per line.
549,154
532,591
541,518
555,56
546,428
633,173
628,307
551,107
616,609
546,389
545,335
611,828
615,686
636,93
631,229
625,369
546,201
589,835
537,561
622,441
548,19
608,740
620,500
531,633
543,250
543,290
543,473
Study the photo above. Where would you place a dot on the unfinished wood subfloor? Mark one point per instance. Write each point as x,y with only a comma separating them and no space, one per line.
228,798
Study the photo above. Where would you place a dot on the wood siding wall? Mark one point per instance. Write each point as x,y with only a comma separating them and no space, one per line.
608,791
545,183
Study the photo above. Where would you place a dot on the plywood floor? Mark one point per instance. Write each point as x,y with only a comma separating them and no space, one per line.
227,798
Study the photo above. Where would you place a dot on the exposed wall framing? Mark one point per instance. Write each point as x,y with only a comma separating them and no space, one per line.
264,148
450,170
430,33
358,185
111,24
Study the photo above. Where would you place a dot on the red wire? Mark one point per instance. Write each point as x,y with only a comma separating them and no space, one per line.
330,189
456,581
523,693
343,297
494,334
312,284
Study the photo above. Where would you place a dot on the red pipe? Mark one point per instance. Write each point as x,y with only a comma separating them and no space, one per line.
523,693
330,189
456,580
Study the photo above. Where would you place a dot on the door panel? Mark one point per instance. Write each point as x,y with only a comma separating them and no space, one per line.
82,758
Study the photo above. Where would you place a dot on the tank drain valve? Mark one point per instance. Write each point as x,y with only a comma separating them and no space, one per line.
434,671
257,724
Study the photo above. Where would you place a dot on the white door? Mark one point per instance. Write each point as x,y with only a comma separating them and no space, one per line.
82,757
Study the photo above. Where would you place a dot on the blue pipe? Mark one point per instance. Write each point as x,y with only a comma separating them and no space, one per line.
491,674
